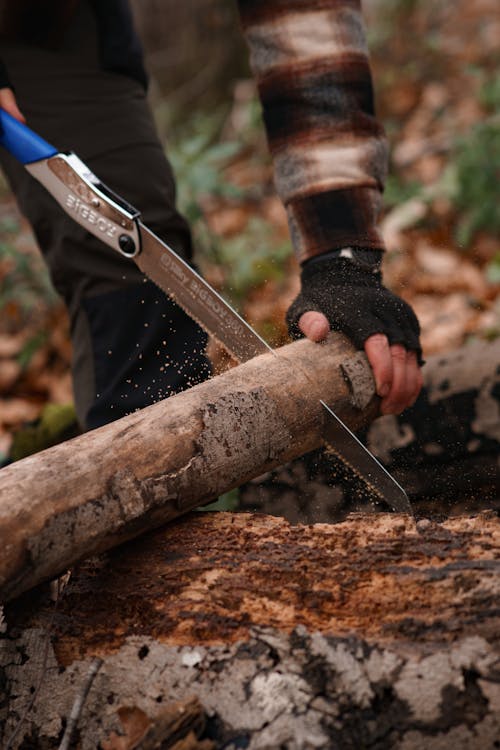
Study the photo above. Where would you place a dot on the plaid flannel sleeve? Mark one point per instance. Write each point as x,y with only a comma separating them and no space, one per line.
311,64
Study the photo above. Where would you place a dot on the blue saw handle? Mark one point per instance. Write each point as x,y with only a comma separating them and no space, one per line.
25,145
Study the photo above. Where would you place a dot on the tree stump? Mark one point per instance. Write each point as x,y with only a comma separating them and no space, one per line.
378,632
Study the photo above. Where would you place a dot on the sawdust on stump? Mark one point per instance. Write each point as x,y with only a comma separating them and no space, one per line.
209,578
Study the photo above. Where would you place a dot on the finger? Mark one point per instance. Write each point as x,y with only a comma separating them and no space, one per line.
416,377
314,325
379,356
401,387
9,104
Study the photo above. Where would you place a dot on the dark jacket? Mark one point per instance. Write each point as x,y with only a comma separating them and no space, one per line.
43,23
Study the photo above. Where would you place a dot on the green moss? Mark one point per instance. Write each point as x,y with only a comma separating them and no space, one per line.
56,423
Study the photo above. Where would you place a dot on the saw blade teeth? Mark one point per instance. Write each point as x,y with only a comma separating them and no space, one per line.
332,450
202,325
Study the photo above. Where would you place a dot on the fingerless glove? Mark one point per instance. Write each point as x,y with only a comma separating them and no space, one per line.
351,295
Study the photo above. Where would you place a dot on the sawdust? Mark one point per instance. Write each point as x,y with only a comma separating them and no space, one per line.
209,578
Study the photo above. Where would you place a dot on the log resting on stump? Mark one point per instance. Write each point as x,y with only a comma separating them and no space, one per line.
99,489
111,484
378,633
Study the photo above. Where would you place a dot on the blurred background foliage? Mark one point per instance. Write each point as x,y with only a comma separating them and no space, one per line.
435,68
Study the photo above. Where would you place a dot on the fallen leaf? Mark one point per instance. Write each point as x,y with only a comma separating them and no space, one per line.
135,725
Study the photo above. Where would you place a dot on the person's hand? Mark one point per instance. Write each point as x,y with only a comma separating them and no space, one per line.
9,104
340,295
397,374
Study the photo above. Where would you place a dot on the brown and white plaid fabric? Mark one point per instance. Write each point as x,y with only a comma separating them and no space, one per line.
311,64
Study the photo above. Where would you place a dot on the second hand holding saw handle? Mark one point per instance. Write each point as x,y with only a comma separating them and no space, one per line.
22,142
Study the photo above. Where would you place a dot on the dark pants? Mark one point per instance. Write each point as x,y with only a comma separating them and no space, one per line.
131,345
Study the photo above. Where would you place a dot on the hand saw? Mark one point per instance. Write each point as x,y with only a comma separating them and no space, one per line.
114,221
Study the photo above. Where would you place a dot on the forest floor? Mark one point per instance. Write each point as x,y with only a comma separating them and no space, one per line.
438,93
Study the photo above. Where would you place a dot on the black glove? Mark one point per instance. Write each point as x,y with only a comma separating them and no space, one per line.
346,286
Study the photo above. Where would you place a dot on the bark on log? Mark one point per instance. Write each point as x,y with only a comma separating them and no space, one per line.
378,633
445,450
104,487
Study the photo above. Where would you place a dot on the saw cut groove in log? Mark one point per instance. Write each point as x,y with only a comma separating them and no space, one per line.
377,633
109,485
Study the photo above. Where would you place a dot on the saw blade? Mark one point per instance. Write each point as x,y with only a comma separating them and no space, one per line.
345,445
204,305
197,298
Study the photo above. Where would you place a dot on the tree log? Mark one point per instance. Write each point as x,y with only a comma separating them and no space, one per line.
379,633
99,489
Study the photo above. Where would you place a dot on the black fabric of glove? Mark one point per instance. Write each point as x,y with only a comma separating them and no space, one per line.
355,302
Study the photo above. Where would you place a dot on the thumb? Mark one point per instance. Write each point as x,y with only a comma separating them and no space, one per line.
314,325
